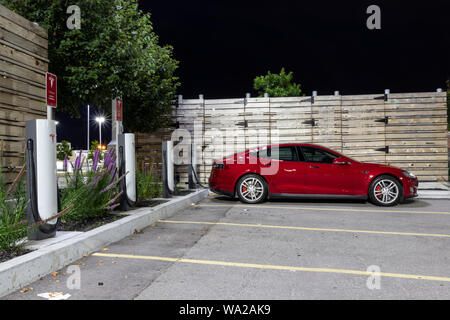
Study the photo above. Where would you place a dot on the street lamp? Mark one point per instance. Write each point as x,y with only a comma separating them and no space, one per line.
100,120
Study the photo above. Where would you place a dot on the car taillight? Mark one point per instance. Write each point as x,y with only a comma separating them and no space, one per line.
218,166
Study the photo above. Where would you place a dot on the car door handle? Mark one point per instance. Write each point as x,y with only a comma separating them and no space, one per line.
314,167
289,170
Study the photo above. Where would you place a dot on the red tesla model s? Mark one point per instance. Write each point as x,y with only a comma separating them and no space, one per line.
308,171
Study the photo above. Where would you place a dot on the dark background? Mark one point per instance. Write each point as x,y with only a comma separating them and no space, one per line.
223,45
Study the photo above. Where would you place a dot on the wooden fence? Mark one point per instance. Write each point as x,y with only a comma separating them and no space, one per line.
23,63
407,130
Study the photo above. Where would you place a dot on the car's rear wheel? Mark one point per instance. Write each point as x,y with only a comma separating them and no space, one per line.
385,191
252,188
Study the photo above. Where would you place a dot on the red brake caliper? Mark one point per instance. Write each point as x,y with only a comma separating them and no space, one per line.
244,189
378,189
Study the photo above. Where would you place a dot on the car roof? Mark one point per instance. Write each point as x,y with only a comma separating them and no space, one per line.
289,144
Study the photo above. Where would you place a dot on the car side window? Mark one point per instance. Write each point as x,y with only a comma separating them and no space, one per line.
284,153
312,154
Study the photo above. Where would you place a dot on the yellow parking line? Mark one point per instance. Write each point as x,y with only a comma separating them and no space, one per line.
318,208
273,267
309,228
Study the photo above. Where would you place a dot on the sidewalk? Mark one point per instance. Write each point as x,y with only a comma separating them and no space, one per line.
434,190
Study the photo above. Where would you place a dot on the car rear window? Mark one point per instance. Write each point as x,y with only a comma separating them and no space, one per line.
286,153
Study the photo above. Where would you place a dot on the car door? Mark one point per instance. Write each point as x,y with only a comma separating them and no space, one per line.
285,170
324,177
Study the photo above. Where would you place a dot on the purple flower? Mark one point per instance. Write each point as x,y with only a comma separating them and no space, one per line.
113,206
115,198
95,160
114,174
112,184
78,162
65,163
111,166
97,178
107,157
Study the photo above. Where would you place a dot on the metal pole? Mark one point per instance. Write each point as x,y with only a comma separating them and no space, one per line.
87,148
100,130
49,113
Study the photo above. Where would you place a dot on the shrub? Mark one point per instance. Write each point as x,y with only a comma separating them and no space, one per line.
94,192
13,204
277,85
149,184
63,150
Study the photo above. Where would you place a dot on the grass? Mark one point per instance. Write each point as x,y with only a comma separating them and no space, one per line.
13,204
149,184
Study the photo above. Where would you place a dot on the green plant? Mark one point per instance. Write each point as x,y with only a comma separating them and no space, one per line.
63,150
117,55
277,85
148,183
91,193
13,204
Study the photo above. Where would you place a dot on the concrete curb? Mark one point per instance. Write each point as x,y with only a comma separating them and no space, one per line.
434,194
18,272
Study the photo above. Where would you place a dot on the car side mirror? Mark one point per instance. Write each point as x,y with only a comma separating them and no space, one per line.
340,161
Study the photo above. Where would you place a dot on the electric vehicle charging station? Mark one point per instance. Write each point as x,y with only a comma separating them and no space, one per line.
168,164
168,172
42,188
192,168
127,164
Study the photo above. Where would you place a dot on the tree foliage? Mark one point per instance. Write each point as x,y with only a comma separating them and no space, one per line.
63,150
277,85
114,54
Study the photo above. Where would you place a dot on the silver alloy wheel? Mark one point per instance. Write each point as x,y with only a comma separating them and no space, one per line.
386,191
251,189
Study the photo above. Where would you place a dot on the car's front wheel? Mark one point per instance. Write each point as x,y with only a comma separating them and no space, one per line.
385,191
252,188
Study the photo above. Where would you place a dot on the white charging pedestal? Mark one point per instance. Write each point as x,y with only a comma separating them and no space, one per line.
42,190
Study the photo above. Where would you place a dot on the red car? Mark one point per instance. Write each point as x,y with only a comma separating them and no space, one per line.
308,171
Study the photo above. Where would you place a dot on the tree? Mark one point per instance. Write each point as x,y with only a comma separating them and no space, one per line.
63,150
114,54
277,85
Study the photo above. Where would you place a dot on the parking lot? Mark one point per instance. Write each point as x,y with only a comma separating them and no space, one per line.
220,248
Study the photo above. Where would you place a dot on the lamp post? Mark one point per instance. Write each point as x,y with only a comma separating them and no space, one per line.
100,120
87,148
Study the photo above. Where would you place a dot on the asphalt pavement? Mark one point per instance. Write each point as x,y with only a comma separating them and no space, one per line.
220,248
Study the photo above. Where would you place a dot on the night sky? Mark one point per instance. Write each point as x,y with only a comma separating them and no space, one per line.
223,45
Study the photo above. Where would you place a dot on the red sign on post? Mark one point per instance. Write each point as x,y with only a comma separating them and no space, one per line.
50,80
119,109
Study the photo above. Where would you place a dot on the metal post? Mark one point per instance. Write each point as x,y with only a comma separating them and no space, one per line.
88,147
100,131
49,113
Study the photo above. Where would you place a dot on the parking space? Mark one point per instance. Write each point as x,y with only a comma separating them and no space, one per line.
223,249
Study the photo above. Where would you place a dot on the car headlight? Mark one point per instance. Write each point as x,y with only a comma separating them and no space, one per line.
408,174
